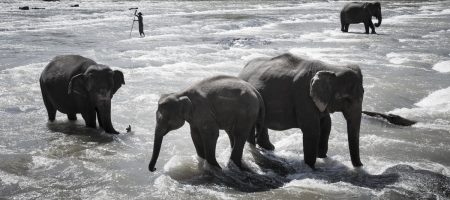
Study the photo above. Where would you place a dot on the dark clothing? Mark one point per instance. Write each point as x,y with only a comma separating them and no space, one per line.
141,25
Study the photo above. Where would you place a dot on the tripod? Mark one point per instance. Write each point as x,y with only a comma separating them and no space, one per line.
134,17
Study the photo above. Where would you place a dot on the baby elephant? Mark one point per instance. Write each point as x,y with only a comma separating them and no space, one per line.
220,102
73,84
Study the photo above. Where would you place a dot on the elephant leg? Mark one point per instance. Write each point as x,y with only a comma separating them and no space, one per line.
262,138
346,27
311,135
236,153
325,128
100,123
251,137
241,133
342,27
72,116
89,118
209,138
197,139
51,110
230,136
366,26
372,27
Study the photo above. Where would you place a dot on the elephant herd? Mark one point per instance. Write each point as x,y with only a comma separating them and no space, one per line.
276,93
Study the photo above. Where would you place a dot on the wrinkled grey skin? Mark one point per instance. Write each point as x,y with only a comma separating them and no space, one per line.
220,102
73,84
357,12
301,93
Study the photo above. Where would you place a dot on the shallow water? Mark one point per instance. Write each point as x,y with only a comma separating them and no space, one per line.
405,68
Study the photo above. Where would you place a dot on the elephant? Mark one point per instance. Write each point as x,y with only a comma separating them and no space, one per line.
356,12
219,102
74,84
301,93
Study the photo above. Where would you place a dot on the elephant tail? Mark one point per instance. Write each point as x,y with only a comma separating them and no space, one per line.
394,119
262,112
259,123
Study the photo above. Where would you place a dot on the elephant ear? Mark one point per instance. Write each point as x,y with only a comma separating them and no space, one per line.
76,85
118,80
321,89
186,107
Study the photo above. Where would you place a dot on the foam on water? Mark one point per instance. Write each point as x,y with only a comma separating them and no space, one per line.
443,66
434,109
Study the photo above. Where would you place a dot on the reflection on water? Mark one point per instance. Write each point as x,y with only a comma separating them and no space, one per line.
84,133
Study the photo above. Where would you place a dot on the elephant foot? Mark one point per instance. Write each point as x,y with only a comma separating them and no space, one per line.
113,132
366,32
357,164
322,155
265,144
373,32
311,166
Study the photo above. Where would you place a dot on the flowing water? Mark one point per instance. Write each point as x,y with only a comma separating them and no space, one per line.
406,72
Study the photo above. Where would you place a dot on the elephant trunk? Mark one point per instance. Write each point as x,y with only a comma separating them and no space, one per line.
380,18
353,118
104,116
159,134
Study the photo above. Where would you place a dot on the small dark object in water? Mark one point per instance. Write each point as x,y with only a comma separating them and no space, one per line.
133,8
24,8
50,0
394,119
36,8
75,5
128,129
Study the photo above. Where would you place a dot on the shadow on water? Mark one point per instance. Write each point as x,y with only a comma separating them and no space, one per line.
85,133
363,33
275,172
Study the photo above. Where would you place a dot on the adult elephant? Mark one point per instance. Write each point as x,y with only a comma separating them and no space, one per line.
220,102
74,84
356,12
300,93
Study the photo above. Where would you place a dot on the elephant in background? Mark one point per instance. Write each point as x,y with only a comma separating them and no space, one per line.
220,102
300,93
356,12
74,84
